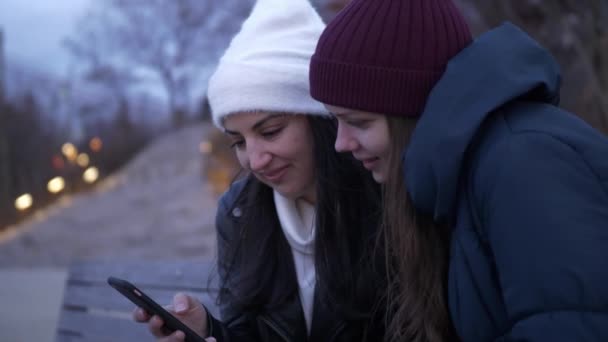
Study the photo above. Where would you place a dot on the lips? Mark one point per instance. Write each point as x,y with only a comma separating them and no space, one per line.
369,163
275,174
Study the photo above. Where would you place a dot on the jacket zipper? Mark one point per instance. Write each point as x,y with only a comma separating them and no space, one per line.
275,328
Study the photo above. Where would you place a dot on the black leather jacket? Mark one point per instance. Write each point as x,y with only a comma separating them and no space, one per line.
287,322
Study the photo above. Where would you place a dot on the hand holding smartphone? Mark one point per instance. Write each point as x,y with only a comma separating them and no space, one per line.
140,299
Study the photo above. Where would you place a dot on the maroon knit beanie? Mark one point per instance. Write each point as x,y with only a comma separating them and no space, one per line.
385,56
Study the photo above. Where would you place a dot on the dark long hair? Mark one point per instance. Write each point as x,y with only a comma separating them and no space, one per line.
417,256
348,209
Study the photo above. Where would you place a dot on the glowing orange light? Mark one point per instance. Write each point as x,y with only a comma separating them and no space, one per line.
57,162
205,147
95,144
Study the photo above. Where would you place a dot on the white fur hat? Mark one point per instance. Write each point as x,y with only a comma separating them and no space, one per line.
265,67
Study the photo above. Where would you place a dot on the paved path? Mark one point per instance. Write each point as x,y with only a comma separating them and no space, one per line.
157,207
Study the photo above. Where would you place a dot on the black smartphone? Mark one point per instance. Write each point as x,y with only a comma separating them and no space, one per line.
139,298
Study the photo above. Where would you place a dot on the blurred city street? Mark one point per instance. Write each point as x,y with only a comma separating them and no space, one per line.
156,208
107,150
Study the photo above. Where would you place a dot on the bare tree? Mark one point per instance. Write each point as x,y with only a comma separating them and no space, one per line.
576,33
329,8
5,167
174,41
2,67
5,173
30,140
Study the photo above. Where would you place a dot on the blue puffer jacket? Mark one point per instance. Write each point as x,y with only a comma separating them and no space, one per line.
526,187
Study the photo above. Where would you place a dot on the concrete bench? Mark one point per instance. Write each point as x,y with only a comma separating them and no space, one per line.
94,311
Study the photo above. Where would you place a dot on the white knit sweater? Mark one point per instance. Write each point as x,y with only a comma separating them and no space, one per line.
297,219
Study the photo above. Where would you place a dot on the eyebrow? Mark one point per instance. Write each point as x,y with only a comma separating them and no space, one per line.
257,124
344,112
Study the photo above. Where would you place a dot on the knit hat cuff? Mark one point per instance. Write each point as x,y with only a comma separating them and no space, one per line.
383,90
238,88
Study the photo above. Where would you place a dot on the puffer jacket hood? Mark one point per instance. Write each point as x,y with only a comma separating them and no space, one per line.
500,66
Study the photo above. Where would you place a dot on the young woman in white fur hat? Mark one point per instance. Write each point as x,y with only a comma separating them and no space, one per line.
296,236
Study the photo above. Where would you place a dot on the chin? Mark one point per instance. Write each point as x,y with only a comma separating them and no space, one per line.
379,177
287,193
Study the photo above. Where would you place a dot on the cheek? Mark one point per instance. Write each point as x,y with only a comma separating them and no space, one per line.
297,145
301,151
242,158
369,141
309,163
383,145
378,141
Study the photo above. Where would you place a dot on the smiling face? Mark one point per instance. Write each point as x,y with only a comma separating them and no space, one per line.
366,136
277,149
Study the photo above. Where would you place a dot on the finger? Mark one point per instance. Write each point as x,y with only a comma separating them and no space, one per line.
177,336
155,325
181,303
210,339
140,315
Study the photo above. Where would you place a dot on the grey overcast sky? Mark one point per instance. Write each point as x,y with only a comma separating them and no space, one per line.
34,30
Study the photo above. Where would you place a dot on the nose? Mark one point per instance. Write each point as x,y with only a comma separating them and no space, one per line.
345,142
258,157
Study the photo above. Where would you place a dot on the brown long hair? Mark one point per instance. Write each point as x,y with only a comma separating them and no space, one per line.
254,273
417,256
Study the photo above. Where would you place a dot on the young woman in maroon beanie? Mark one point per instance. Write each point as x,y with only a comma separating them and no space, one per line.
495,200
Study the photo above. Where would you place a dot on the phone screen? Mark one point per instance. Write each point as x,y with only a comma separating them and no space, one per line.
139,298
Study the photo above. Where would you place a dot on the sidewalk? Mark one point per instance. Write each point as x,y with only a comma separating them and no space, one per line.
30,303
157,207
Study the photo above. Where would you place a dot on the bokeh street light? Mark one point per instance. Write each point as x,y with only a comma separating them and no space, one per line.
56,185
90,175
83,160
57,162
95,144
24,202
69,151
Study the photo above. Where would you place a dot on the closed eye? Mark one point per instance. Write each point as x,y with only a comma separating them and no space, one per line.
358,123
271,133
237,144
